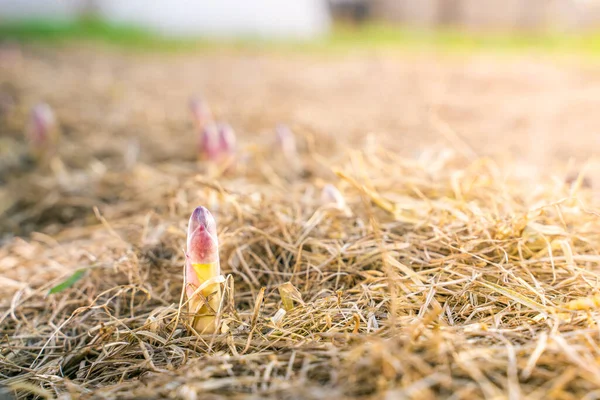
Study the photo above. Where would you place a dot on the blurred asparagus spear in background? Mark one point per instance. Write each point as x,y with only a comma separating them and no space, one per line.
202,271
286,141
42,133
227,140
217,141
201,112
217,146
332,199
331,196
209,144
227,145
287,150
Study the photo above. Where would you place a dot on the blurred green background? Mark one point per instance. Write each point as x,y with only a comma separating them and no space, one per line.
557,26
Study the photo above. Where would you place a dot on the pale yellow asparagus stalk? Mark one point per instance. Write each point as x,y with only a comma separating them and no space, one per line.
289,294
202,270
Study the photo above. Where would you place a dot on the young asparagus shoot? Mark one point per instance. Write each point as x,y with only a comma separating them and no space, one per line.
42,133
289,294
201,113
227,141
286,141
202,270
276,319
286,152
331,196
209,146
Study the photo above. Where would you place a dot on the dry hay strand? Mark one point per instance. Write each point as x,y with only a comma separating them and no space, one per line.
447,278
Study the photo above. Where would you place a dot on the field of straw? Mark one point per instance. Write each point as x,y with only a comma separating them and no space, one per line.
464,265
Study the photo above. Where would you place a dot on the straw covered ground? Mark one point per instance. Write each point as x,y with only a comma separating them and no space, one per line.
453,273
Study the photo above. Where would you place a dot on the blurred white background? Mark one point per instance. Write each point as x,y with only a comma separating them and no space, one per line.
259,18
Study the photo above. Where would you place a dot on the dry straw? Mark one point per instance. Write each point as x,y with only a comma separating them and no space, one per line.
448,278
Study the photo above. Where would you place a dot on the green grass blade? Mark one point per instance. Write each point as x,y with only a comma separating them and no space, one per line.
77,275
